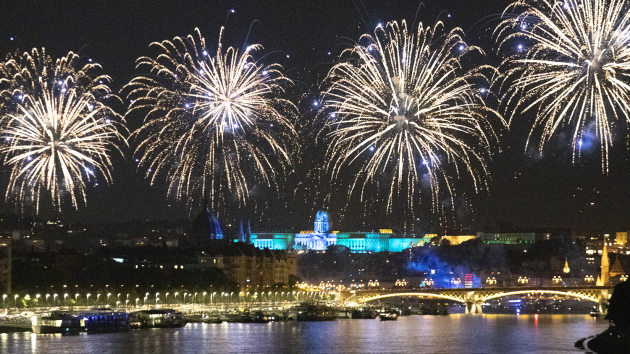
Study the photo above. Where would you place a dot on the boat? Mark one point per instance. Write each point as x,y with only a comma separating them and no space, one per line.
294,311
259,317
96,321
595,313
363,314
388,316
163,318
213,319
317,313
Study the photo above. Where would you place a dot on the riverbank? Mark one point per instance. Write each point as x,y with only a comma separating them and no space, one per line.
610,341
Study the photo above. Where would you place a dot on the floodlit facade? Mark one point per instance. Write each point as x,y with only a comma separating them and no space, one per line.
322,236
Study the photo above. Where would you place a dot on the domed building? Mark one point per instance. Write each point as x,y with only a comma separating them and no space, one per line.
323,236
204,229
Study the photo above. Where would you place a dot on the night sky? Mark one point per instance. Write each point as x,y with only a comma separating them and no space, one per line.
525,189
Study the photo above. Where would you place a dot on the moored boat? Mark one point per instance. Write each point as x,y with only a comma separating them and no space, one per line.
163,318
595,313
388,316
96,321
317,313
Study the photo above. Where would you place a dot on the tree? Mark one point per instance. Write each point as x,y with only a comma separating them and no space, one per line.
619,309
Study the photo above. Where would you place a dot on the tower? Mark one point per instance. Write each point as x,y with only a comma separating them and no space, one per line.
605,266
566,268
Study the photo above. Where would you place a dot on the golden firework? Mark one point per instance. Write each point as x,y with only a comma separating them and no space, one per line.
56,130
576,71
212,122
403,107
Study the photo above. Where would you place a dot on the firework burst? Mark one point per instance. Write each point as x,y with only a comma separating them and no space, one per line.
56,131
403,107
575,73
212,121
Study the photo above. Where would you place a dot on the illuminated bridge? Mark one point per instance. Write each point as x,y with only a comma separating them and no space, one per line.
473,298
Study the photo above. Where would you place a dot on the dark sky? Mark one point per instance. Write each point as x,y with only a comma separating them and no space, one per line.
525,189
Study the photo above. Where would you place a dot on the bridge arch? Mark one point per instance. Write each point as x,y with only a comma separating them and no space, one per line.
518,292
440,296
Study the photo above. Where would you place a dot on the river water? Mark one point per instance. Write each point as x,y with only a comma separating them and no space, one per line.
458,334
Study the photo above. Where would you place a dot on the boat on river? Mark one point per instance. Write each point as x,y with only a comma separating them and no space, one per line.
317,313
163,318
96,321
388,316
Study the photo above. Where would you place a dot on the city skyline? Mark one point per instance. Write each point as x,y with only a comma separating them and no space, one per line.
523,188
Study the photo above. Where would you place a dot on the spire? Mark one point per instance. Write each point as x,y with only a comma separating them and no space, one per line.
249,233
566,266
242,234
599,282
605,265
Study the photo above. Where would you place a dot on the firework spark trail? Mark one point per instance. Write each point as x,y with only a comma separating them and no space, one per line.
57,131
402,105
211,119
575,73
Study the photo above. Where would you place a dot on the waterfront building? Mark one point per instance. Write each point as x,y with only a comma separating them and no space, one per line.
250,266
323,236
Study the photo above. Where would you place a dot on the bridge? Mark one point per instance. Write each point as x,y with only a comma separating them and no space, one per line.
473,298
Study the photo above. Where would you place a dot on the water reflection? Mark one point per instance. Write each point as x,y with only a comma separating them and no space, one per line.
428,334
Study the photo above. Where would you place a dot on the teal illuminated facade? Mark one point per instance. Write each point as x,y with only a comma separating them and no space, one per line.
321,237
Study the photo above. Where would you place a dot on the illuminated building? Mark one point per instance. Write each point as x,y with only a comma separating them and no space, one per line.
250,266
604,280
456,240
507,238
321,237
621,239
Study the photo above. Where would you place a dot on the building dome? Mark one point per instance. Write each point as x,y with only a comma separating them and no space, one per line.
321,216
204,228
322,225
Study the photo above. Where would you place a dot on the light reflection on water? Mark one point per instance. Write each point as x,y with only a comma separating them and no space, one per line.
412,334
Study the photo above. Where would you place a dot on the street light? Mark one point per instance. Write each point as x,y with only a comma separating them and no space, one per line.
203,298
176,297
15,300
64,299
97,299
137,299
47,296
87,301
4,297
166,299
37,297
108,294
